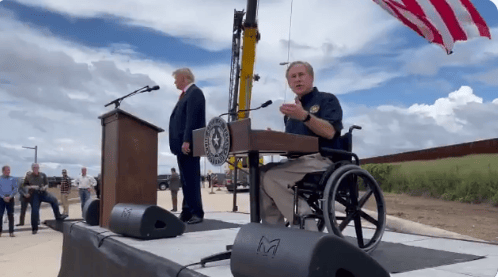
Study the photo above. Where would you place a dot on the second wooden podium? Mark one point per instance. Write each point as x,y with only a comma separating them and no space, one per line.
129,162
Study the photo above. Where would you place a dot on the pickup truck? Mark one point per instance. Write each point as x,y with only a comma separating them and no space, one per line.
163,181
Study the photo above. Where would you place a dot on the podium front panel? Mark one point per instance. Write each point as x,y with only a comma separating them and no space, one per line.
129,162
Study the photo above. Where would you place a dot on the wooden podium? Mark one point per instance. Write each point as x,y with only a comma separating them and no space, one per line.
247,142
129,162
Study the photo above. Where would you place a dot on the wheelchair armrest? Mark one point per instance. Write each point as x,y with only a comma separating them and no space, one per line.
330,151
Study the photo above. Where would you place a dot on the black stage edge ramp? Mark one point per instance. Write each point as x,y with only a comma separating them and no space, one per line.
88,253
398,257
206,225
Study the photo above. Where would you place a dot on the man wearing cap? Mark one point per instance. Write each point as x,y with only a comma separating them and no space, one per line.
65,190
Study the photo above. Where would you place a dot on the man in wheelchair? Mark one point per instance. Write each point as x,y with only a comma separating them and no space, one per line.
314,113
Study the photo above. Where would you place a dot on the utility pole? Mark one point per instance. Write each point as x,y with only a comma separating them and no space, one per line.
36,152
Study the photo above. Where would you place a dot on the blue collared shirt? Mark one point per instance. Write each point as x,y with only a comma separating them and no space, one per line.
322,105
8,186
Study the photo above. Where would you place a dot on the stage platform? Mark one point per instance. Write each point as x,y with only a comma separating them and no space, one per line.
94,251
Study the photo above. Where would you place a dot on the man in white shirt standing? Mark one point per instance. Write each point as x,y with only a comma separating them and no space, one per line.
85,183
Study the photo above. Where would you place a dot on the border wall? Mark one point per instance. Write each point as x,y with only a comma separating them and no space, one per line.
489,146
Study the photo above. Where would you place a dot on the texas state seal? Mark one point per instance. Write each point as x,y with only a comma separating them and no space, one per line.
217,141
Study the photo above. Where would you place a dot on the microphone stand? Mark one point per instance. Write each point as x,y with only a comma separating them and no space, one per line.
264,105
226,255
117,102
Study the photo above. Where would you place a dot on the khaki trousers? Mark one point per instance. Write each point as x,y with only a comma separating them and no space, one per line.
65,203
276,199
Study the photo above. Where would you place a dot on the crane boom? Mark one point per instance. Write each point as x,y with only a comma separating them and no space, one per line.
235,66
251,37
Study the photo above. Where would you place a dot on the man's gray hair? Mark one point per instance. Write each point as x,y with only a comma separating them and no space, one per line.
185,72
309,68
33,165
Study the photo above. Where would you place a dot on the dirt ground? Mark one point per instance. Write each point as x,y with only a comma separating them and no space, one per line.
475,220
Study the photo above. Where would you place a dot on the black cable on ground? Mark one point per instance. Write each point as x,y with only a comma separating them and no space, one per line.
178,274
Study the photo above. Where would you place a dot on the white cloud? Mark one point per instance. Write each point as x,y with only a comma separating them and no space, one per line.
443,110
351,77
428,60
490,77
495,2
460,117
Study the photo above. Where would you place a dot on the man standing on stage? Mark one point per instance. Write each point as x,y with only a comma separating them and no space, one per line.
189,114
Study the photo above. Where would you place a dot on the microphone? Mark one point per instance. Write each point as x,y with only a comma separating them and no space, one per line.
151,89
264,105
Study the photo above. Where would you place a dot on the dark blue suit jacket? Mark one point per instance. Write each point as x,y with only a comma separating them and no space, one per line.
189,114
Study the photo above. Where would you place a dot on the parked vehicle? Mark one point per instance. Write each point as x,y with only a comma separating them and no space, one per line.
163,181
242,181
54,181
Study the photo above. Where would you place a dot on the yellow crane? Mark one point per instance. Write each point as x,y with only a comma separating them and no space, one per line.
243,72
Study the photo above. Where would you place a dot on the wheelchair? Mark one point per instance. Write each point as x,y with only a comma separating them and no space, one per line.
338,195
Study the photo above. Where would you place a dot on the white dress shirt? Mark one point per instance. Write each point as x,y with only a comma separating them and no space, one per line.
85,182
187,87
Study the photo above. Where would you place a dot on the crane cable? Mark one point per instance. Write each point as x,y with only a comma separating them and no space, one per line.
288,53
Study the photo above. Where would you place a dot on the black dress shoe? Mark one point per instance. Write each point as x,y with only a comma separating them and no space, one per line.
194,220
62,217
184,218
34,232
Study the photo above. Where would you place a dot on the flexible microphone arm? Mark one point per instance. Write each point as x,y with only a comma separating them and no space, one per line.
117,102
264,105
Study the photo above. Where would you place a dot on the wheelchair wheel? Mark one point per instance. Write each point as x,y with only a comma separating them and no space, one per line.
347,192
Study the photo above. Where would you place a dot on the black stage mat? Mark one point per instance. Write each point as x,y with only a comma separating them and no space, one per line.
397,257
210,225
206,225
394,257
58,225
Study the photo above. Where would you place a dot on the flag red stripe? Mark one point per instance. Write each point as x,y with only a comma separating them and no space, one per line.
450,20
403,19
476,17
437,36
414,7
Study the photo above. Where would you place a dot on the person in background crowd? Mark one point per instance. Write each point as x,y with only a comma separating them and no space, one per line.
8,190
25,200
65,190
98,187
85,183
36,183
174,186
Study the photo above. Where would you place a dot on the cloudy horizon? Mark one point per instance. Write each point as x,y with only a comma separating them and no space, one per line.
61,62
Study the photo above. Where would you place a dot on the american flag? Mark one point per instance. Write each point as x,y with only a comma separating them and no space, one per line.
439,21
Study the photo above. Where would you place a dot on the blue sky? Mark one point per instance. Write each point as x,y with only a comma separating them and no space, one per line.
63,61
